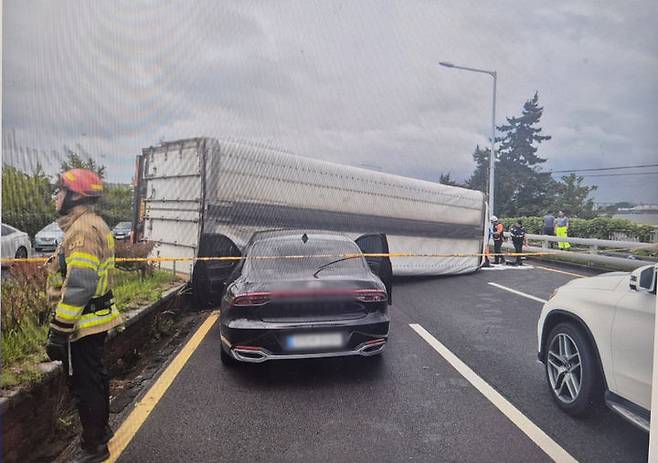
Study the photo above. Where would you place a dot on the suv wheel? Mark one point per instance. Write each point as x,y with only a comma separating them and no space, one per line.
572,369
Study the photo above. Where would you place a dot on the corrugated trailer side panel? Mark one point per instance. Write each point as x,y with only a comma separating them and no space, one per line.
257,188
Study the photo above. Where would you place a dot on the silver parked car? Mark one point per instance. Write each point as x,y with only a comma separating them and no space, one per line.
122,230
47,239
15,243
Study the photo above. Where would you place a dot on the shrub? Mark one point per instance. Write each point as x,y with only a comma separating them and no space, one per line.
599,227
25,315
128,250
23,294
24,320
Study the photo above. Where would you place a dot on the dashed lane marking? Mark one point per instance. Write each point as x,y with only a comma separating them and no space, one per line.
147,404
530,429
560,271
514,291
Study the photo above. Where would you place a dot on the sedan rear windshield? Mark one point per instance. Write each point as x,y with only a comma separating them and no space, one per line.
266,260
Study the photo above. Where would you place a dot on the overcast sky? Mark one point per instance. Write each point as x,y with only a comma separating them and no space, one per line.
352,82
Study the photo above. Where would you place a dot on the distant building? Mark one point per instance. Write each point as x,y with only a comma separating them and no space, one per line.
642,214
641,209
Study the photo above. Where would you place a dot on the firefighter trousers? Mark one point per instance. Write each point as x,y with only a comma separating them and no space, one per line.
498,249
518,248
90,385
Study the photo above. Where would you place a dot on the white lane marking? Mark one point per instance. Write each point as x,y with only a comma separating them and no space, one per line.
529,296
530,429
507,267
561,271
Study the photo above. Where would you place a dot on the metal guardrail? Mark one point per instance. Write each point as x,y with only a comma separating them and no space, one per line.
592,257
593,243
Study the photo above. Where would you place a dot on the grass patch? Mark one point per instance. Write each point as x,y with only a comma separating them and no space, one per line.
131,291
22,350
25,315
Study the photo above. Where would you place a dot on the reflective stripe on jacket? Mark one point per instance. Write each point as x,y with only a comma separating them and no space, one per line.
499,230
88,260
517,233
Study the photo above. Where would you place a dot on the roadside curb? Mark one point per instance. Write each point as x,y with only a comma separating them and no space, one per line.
27,415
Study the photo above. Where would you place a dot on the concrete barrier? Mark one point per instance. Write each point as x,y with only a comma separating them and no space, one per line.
583,258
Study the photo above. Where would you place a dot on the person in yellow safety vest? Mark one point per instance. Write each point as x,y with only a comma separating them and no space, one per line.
80,293
561,229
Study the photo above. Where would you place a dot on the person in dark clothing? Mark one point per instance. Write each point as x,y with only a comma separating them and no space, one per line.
549,226
498,239
517,232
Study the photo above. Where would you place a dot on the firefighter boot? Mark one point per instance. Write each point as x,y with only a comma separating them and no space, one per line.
107,436
95,454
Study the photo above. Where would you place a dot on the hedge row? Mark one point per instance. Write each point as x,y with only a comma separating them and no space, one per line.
599,227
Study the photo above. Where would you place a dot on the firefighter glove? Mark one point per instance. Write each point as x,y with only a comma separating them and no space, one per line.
56,346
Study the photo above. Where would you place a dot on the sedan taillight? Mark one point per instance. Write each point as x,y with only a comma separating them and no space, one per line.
370,295
251,299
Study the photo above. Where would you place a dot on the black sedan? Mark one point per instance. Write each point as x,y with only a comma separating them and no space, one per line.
297,295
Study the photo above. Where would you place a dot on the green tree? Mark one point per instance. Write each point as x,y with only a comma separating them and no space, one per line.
521,188
116,204
27,202
446,179
479,179
77,161
573,197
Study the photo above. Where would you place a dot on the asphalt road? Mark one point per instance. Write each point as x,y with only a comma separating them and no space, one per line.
408,405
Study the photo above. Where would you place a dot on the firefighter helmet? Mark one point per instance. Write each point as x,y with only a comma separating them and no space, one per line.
82,181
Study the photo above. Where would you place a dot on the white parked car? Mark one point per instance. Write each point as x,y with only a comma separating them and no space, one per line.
15,243
596,342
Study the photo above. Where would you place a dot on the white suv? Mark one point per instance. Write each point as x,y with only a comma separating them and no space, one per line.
596,341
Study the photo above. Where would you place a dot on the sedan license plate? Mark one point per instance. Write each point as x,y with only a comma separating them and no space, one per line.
315,341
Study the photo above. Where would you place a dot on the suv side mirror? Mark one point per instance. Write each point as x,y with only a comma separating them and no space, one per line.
644,279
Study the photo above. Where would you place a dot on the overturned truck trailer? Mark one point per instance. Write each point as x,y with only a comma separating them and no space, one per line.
205,197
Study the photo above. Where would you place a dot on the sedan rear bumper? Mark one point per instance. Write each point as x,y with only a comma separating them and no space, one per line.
257,341
260,355
40,246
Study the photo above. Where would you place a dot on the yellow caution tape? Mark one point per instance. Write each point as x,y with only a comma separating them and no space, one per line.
39,260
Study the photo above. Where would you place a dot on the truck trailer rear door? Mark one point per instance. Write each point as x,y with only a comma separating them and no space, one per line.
173,197
376,243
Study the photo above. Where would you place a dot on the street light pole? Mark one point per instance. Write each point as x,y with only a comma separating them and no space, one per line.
492,156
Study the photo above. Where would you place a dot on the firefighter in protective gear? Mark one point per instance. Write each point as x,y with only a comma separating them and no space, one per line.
79,292
498,231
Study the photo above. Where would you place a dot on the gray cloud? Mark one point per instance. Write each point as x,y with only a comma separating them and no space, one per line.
352,82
